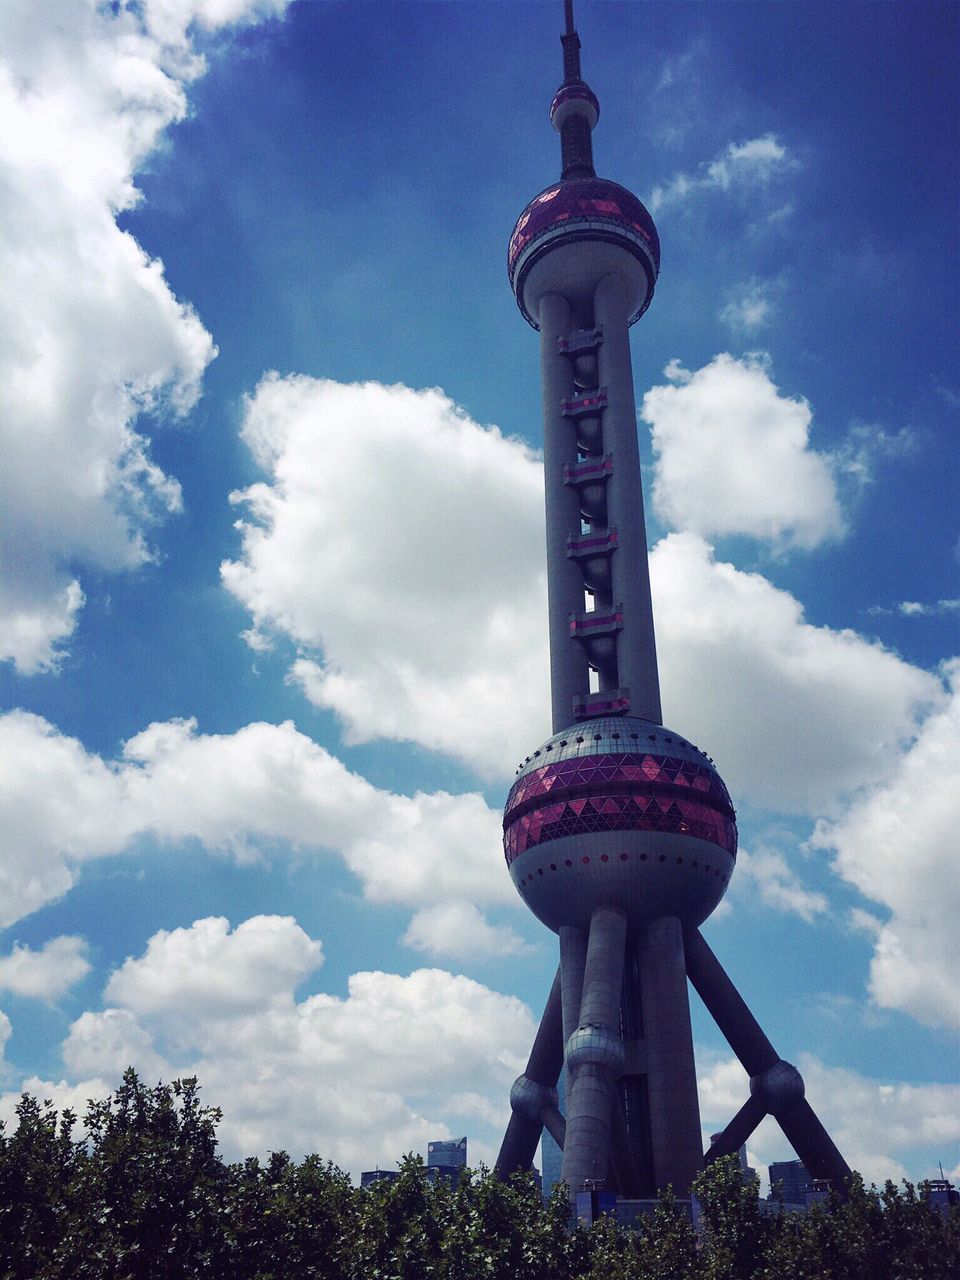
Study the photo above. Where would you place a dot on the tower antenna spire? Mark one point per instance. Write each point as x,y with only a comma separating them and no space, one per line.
571,46
575,109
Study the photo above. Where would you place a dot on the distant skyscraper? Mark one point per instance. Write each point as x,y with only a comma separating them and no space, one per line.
451,1152
619,834
748,1173
372,1176
789,1179
552,1157
446,1160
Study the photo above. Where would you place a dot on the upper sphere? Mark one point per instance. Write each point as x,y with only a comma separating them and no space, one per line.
574,99
607,226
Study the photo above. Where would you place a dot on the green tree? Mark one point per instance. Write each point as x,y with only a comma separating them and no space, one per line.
145,1201
286,1220
39,1165
733,1229
144,1195
666,1244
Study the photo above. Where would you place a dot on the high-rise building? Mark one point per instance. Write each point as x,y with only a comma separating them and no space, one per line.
451,1152
372,1176
619,833
789,1180
747,1172
446,1160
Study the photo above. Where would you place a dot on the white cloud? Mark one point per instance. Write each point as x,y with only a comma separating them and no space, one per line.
171,20
6,1030
243,794
733,456
91,336
103,1045
750,306
742,167
799,716
676,105
401,546
361,1078
915,609
459,930
47,973
867,445
883,1129
208,971
63,1097
804,715
898,845
767,871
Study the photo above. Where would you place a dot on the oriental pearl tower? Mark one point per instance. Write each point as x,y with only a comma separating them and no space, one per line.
619,834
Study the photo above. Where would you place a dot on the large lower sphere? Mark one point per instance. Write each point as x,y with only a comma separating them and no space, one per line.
618,811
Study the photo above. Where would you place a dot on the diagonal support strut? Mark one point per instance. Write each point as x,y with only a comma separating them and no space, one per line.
776,1087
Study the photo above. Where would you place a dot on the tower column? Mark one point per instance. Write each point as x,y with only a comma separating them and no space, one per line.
568,665
671,1071
636,647
594,1053
573,958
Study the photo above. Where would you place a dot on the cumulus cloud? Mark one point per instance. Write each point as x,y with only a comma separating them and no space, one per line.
401,546
107,1043
62,1095
803,717
243,794
742,167
208,971
733,456
767,872
459,930
360,1078
47,973
91,336
5,1032
885,1129
805,714
897,844
800,717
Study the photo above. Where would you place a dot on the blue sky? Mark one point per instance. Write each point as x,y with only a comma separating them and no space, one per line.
272,601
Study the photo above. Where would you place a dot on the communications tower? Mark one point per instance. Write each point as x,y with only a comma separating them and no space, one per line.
619,834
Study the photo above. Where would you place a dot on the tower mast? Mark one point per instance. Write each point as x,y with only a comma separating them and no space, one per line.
618,833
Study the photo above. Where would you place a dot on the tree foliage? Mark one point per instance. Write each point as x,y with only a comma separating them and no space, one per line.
140,1193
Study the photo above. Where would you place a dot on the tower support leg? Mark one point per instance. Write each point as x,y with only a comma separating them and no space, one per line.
671,1072
776,1087
533,1098
594,1052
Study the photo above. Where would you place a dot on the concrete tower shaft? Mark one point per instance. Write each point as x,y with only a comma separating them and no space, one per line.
583,262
